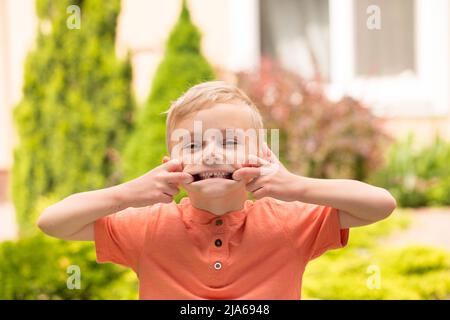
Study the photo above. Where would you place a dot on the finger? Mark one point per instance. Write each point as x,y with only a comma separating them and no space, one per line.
173,165
260,193
246,173
179,177
170,190
266,167
268,153
166,198
254,161
255,185
165,159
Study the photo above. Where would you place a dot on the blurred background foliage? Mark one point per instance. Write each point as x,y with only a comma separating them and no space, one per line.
417,177
412,272
37,267
76,109
79,130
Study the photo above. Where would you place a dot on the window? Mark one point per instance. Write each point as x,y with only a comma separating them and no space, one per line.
401,69
296,33
389,50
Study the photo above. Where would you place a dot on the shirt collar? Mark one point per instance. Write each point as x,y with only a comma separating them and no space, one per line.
200,216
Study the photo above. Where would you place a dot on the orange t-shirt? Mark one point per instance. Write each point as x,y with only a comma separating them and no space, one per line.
181,252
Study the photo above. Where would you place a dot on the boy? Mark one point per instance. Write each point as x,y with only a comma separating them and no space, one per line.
217,244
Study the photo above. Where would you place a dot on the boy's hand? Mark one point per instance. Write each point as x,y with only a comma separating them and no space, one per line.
267,177
158,185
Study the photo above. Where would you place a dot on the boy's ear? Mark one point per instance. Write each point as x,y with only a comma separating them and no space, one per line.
165,159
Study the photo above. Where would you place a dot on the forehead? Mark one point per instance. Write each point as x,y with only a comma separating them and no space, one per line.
219,116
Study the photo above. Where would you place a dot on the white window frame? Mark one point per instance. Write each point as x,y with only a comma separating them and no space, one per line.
422,94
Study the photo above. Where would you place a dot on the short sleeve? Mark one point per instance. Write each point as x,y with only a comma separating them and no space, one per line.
120,237
313,229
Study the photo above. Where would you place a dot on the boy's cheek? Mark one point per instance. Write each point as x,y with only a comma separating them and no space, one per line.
233,157
190,159
240,155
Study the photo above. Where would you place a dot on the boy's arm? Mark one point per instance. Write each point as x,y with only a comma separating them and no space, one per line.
73,217
358,203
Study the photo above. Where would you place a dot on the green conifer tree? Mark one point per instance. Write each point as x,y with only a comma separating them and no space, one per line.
76,108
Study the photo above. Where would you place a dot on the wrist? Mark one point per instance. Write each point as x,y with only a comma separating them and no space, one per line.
298,187
121,196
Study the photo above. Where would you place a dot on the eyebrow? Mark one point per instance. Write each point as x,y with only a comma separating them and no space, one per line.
223,131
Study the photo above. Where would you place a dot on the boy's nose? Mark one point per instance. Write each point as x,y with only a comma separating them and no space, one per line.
212,155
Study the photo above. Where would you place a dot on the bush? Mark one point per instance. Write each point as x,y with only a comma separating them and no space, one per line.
182,67
346,276
76,107
417,177
413,272
318,138
36,268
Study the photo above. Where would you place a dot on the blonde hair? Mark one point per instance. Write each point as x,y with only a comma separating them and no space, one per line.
205,95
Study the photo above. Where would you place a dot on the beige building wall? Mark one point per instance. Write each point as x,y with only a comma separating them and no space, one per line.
17,32
424,129
16,38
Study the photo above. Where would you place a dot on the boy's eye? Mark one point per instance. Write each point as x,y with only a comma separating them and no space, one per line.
192,146
230,142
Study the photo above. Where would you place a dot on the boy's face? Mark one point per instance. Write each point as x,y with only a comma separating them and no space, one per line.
213,143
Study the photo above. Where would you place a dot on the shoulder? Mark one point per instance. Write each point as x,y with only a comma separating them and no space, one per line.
139,216
289,210
274,208
280,207
133,213
161,212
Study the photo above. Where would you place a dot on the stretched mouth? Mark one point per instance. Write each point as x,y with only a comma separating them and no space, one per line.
212,175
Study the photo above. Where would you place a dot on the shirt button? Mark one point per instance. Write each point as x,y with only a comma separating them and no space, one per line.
217,265
219,222
218,242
